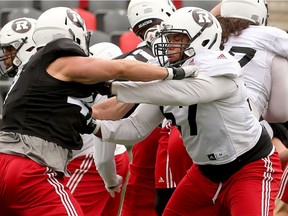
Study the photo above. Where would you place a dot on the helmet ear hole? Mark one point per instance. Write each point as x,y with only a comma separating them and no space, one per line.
78,41
205,42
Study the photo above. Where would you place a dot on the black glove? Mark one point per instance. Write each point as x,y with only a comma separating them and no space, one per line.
91,125
104,88
181,72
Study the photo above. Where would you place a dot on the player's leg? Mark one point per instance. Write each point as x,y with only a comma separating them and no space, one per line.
252,190
27,188
193,196
172,164
281,203
180,161
140,190
164,180
86,185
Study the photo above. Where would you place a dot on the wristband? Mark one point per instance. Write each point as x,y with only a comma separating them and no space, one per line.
175,73
112,187
97,126
169,74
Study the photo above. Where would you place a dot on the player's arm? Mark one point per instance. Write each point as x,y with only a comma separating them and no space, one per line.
134,128
277,110
201,89
111,109
89,70
105,163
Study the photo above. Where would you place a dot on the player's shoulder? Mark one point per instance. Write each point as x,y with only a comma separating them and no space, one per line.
217,63
266,32
207,56
64,46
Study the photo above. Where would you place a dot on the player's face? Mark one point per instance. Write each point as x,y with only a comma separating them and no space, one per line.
177,44
8,54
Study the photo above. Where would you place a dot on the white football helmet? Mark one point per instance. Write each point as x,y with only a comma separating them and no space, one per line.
61,22
201,27
17,34
144,13
105,50
255,11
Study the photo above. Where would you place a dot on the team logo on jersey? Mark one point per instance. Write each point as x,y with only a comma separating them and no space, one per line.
211,157
75,18
221,56
218,156
202,17
21,26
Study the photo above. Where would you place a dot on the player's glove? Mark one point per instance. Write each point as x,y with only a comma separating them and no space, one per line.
181,72
115,188
92,126
104,88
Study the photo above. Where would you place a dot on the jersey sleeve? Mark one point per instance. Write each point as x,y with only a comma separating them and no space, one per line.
279,41
105,161
277,109
134,128
184,92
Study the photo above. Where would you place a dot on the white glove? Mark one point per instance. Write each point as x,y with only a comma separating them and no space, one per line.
181,72
116,188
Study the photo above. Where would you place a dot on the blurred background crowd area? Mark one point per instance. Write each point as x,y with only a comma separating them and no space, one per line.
108,19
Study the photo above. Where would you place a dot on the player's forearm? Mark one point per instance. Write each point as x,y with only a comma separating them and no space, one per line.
277,110
110,109
134,128
184,92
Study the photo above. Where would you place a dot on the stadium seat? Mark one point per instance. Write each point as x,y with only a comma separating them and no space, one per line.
89,18
95,5
47,4
205,4
114,20
8,14
16,4
177,3
84,4
127,41
99,36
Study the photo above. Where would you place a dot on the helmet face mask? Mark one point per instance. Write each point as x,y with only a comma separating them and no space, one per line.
201,28
172,47
61,22
16,44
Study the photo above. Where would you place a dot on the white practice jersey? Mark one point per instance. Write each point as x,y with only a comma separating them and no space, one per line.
255,49
210,110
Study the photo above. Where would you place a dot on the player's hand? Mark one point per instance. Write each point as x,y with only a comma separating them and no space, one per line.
116,188
181,72
92,125
104,88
